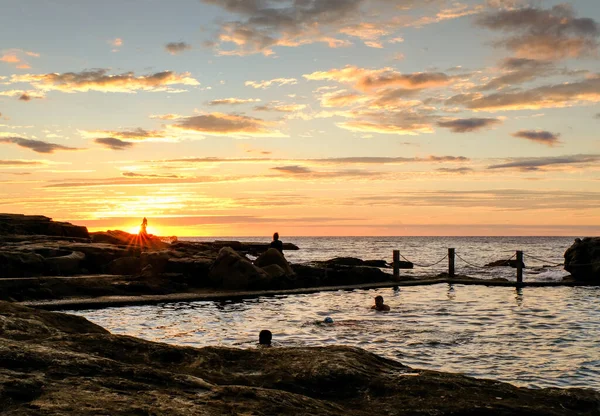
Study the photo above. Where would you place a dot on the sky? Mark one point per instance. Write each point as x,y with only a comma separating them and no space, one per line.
306,117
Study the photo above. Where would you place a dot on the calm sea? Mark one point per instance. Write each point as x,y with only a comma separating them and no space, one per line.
543,255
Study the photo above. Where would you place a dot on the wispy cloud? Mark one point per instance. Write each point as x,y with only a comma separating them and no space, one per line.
544,33
221,124
114,144
35,145
548,96
366,79
539,163
101,80
266,84
280,107
233,101
467,125
175,48
539,136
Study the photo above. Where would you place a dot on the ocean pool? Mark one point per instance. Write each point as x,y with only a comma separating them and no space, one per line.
534,337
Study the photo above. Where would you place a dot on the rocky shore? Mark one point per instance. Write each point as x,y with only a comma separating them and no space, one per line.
53,363
42,260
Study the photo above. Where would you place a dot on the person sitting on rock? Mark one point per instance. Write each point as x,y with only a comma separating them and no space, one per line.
379,305
264,338
276,243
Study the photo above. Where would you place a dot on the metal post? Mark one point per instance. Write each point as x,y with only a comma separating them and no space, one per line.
396,263
451,262
519,267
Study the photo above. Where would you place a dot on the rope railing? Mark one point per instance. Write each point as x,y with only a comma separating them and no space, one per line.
476,265
549,263
425,266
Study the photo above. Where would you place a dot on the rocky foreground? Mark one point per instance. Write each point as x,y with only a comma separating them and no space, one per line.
58,364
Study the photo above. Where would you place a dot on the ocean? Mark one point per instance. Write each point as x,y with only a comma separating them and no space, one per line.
543,256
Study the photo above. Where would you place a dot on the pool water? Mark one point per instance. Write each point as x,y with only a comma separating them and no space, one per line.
535,337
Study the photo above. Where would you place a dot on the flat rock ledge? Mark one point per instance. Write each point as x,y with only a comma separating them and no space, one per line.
53,363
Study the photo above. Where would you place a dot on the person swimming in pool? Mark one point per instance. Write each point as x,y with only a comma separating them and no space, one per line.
379,305
264,338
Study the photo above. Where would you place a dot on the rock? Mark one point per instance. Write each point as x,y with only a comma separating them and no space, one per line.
353,261
274,270
20,264
582,259
317,275
125,266
273,256
157,259
54,363
232,271
122,238
65,265
196,269
19,224
505,263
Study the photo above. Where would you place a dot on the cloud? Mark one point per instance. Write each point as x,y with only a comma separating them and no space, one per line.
548,96
341,98
166,116
282,108
18,58
551,34
137,134
461,171
114,144
367,79
100,80
19,162
148,175
266,84
467,125
458,10
22,95
220,124
385,122
116,42
233,101
294,169
539,136
597,116
539,163
259,26
177,47
35,145
518,71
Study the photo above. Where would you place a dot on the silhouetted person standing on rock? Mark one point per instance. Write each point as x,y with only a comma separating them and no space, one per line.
143,226
276,243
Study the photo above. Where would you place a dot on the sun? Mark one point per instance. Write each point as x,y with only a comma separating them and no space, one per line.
150,230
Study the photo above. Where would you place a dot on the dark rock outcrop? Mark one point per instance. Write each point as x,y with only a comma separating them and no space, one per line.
53,363
273,256
232,271
19,224
582,259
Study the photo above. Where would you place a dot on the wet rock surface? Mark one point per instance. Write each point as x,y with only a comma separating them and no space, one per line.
582,259
53,363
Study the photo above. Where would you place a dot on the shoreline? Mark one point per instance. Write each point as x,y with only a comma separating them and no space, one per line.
102,302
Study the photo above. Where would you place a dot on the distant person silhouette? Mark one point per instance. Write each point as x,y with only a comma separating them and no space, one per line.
264,338
379,305
276,243
143,226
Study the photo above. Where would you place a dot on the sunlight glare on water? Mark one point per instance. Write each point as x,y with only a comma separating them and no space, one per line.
536,337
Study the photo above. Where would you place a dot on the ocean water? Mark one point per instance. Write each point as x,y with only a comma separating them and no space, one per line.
543,256
534,337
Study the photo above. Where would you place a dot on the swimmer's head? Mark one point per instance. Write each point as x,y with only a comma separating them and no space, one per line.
265,336
378,300
328,320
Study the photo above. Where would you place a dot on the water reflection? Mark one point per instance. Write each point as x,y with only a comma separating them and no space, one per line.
519,296
468,329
